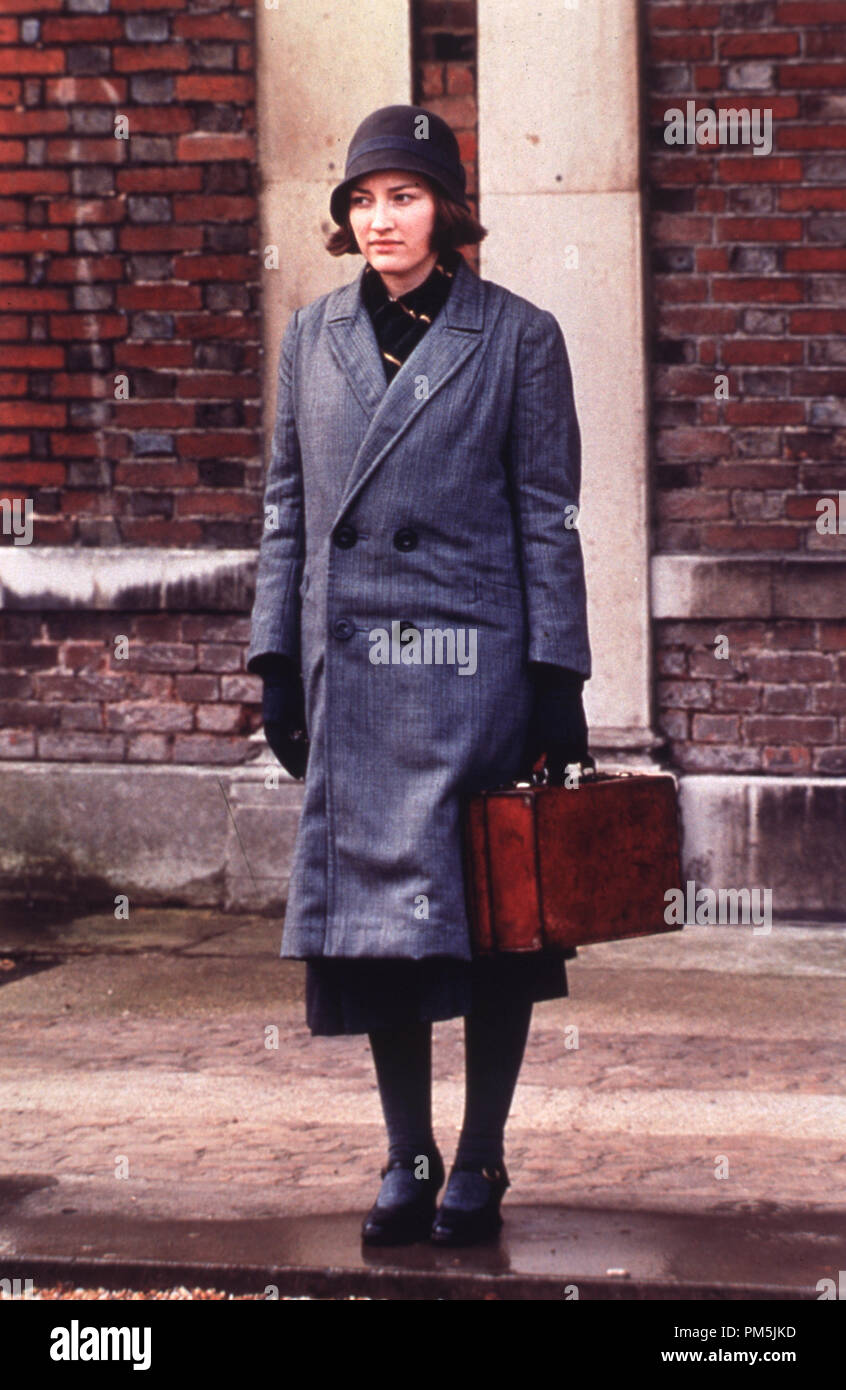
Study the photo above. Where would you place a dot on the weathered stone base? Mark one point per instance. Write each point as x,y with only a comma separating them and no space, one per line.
222,837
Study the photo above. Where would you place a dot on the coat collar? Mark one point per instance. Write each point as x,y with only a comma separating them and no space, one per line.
391,407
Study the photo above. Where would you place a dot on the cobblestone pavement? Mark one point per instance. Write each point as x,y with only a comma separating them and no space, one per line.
139,1073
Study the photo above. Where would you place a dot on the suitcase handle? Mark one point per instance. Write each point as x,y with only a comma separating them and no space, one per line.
541,778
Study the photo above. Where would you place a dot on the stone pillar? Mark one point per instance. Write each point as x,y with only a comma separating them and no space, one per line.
559,142
320,70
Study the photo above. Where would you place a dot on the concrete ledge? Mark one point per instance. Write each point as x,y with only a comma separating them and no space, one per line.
712,586
224,837
132,578
191,836
783,833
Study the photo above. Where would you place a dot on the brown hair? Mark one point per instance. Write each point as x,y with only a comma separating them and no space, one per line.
454,226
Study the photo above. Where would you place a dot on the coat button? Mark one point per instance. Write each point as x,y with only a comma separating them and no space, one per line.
406,539
343,628
345,536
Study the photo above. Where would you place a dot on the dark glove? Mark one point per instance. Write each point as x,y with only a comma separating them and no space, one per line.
283,714
557,725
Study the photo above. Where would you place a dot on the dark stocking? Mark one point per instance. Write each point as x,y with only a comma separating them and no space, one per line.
495,1040
403,1060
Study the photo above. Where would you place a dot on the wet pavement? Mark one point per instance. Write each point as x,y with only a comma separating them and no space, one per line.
167,1117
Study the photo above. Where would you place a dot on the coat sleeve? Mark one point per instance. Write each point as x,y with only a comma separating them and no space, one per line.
275,629
545,476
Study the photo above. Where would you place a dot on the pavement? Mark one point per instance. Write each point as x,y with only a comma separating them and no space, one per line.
678,1130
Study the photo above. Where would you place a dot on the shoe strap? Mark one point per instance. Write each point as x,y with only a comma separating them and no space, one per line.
409,1164
493,1172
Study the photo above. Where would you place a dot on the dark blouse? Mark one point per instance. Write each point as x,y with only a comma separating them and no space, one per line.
400,323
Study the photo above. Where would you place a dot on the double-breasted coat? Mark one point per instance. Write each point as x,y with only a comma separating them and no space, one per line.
444,503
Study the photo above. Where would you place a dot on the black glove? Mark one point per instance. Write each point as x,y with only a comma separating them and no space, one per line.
557,725
283,713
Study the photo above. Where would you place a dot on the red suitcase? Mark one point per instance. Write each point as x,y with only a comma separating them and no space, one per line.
551,867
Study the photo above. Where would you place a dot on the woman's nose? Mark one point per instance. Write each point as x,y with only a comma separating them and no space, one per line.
381,216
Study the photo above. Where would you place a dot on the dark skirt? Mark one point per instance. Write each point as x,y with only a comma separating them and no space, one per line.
358,995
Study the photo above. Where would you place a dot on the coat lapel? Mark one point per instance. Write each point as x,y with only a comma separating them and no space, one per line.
455,334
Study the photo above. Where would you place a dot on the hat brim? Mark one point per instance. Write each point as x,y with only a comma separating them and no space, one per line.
380,160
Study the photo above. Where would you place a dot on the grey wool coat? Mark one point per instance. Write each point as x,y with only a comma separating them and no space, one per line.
419,550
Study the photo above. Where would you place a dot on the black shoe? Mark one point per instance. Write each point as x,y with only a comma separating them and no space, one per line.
481,1186
404,1212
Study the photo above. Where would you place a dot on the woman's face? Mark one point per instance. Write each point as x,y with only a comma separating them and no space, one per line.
392,215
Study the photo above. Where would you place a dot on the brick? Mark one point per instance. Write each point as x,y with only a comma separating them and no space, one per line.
830,760
42,60
685,694
148,717
80,747
785,699
205,147
150,57
29,414
754,168
761,728
177,180
812,138
202,87
762,351
216,208
742,698
164,656
160,237
87,326
147,748
94,30
216,268
204,748
755,538
815,258
813,75
715,728
199,687
35,181
219,657
770,291
248,689
220,718
759,45
213,25
766,229
717,757
75,91
81,716
158,296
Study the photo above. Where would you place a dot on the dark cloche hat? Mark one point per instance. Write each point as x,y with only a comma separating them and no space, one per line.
403,137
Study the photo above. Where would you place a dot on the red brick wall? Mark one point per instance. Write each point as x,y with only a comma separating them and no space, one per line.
748,278
129,256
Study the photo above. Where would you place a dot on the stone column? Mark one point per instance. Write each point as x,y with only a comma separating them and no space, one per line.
559,152
320,70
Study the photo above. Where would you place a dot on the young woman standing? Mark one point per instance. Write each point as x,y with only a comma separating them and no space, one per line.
424,474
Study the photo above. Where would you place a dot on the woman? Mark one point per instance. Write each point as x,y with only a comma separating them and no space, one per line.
420,499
